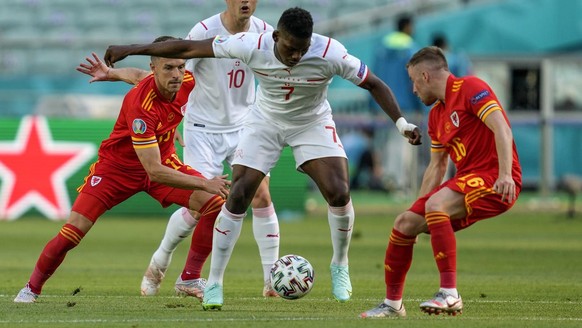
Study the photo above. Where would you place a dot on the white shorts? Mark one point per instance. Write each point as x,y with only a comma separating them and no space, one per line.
207,152
263,140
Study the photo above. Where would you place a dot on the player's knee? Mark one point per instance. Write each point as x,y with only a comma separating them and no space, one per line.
335,191
262,198
410,224
339,198
238,202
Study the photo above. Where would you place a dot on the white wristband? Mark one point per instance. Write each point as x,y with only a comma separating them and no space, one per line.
401,124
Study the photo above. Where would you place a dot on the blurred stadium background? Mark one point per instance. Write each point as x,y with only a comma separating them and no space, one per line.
528,50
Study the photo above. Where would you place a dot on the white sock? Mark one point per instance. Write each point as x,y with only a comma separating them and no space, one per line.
450,291
266,231
341,223
393,304
179,226
226,232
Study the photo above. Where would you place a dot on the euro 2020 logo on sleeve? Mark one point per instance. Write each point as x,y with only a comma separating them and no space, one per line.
139,126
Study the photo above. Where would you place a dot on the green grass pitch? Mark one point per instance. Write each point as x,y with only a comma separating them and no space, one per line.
522,269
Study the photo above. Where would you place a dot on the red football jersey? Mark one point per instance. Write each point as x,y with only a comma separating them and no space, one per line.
457,126
146,120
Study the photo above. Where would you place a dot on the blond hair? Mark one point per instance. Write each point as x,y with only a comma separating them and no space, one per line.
431,56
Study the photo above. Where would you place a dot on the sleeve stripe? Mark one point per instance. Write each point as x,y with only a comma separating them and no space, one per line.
487,109
436,146
204,25
260,38
144,143
365,77
136,139
145,146
326,47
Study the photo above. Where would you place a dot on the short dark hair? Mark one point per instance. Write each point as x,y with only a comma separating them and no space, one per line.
297,22
403,22
433,56
163,38
439,40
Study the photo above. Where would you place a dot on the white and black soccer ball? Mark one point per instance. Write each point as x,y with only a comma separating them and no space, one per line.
292,276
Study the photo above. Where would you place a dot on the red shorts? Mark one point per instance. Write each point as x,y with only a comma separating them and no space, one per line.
481,202
107,185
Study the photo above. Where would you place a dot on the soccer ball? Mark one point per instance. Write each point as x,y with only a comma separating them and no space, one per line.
292,277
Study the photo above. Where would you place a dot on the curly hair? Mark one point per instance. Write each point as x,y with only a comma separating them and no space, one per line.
297,22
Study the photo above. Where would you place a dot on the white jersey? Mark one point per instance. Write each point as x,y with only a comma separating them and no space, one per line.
294,95
225,88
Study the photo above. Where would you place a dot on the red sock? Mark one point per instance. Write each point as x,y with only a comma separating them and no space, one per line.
444,247
53,255
201,244
397,262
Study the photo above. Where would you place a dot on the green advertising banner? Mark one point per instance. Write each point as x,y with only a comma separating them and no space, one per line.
43,161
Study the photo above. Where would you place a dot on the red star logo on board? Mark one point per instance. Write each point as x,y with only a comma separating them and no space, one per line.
34,169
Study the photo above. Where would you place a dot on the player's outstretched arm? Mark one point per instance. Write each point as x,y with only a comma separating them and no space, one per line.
383,95
101,72
151,161
185,49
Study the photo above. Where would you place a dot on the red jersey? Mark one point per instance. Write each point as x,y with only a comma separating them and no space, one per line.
457,126
146,120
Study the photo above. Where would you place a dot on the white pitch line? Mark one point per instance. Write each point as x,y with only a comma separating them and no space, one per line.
254,319
323,300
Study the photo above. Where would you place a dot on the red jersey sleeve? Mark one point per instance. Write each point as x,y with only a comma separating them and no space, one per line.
481,99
